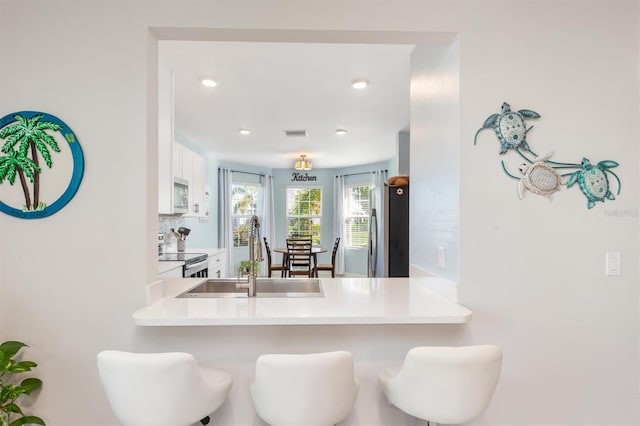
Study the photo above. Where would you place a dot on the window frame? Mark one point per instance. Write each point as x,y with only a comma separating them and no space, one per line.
318,240
237,242
348,235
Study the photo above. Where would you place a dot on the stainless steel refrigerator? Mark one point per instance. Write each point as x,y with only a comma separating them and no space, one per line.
372,257
389,252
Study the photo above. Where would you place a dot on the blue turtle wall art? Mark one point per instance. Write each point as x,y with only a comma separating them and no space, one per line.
510,127
593,181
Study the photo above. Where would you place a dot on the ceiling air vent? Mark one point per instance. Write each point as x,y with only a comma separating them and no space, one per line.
296,133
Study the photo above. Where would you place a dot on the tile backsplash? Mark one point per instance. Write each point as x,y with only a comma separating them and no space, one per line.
166,223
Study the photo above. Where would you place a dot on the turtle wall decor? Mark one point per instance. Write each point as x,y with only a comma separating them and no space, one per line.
510,127
593,181
540,175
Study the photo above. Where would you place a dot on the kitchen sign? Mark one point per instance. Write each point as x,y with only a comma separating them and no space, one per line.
299,177
41,164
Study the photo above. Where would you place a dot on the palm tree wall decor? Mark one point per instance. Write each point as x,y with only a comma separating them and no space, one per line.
27,140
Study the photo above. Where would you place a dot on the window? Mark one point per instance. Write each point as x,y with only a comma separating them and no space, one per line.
244,202
304,212
356,225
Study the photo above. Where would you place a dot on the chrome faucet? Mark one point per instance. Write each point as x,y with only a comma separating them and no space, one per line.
254,256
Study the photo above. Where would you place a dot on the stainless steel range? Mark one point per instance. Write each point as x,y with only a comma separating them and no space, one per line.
196,265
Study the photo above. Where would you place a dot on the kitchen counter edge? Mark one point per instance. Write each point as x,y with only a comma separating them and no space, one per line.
392,301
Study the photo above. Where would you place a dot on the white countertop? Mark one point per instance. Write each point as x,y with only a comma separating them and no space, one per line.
210,251
345,301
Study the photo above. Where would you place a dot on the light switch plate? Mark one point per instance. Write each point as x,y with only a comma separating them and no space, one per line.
441,257
613,263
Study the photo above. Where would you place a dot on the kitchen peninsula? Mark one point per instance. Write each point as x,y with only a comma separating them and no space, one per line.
345,301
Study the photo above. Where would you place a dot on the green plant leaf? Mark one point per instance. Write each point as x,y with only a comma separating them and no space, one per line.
13,408
28,420
30,384
9,393
5,363
22,366
10,348
6,391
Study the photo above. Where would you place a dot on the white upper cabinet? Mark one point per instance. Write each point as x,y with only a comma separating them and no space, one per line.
174,159
179,154
165,140
190,166
199,174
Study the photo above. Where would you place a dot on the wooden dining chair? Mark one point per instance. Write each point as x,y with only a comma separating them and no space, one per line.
282,267
299,256
330,267
297,236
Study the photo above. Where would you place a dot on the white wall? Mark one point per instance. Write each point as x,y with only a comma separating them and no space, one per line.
404,151
435,158
531,271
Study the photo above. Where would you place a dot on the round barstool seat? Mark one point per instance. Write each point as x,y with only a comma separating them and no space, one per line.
161,389
304,389
445,385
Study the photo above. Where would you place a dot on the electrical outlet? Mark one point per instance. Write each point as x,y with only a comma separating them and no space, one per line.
441,257
613,263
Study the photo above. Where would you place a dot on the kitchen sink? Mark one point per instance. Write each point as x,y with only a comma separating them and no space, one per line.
265,287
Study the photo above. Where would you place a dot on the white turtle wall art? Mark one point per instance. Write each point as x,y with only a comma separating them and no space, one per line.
539,178
510,127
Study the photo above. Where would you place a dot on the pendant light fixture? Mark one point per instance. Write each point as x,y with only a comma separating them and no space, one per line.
303,163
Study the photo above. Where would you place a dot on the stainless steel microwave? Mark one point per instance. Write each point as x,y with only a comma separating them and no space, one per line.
180,196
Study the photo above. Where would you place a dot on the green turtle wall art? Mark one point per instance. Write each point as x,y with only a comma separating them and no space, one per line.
510,127
593,181
540,175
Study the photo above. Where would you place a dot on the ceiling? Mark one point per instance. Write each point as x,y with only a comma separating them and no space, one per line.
273,87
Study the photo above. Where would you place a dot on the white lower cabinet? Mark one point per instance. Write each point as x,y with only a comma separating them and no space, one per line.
217,265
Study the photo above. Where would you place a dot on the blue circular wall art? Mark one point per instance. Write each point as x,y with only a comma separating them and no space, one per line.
41,164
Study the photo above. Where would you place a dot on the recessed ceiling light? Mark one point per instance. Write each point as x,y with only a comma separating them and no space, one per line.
359,83
341,132
244,131
209,82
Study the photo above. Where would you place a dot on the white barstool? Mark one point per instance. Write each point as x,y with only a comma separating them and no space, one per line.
161,389
304,390
448,385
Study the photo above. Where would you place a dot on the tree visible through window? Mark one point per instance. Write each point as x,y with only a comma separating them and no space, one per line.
244,202
356,228
304,212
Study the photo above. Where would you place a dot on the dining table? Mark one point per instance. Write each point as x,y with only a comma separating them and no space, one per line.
315,250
